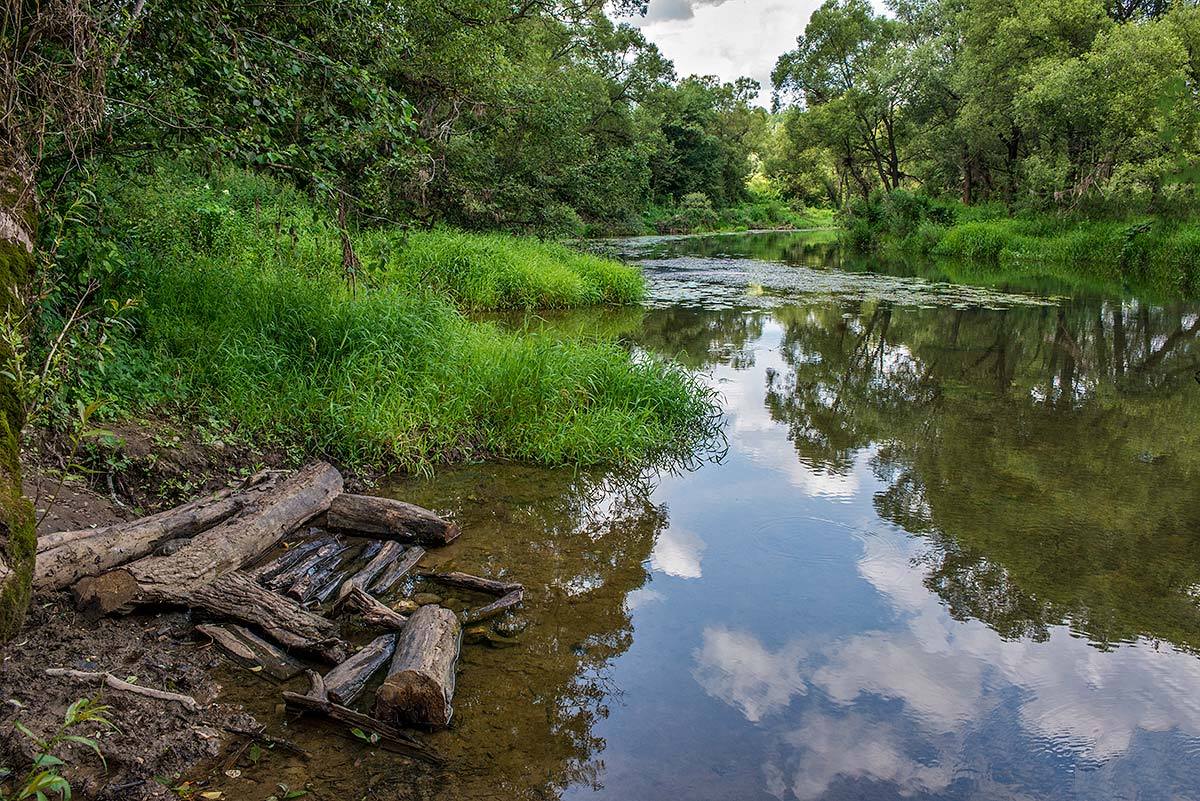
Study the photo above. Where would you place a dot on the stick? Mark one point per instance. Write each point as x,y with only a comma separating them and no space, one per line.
385,518
114,683
373,612
477,583
496,607
396,572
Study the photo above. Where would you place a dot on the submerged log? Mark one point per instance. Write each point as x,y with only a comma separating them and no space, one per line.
389,519
390,737
347,681
247,648
388,553
477,583
496,607
397,571
105,548
373,612
420,684
212,555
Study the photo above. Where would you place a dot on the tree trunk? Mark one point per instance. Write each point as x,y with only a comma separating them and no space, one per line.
18,538
368,515
420,684
113,546
347,681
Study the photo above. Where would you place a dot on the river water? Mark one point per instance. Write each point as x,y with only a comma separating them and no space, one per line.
950,549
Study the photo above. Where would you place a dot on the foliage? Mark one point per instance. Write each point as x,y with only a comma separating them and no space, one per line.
246,319
44,777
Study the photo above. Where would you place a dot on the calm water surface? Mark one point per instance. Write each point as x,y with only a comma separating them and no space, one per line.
952,551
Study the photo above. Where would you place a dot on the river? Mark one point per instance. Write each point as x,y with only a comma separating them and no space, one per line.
949,549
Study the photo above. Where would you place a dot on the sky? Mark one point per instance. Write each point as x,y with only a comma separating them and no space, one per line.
726,38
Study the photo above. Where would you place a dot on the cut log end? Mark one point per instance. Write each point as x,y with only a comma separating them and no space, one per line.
420,684
414,697
107,594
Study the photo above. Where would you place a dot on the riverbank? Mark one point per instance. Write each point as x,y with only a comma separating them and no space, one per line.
1156,254
257,321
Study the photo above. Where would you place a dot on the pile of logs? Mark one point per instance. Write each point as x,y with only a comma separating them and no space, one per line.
219,556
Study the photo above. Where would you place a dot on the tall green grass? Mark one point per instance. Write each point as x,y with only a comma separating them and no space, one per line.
246,318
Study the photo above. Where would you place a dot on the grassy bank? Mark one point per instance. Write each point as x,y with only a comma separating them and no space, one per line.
246,321
694,214
1162,255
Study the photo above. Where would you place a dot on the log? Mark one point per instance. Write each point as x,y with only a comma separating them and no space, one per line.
496,607
387,554
290,557
386,518
335,581
105,548
317,701
219,550
347,681
252,651
306,589
285,579
397,571
477,583
186,701
420,684
373,612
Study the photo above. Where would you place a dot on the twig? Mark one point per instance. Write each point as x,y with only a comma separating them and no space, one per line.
114,683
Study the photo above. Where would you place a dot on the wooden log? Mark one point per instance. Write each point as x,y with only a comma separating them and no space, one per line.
228,643
373,612
329,548
332,584
390,737
219,550
388,553
420,684
186,701
386,518
105,548
290,557
496,607
306,589
347,681
477,583
248,649
397,571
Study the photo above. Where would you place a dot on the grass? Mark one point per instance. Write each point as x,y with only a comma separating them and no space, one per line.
1152,254
247,319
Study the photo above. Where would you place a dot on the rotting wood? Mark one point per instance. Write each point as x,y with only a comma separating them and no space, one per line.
420,683
287,559
347,681
309,585
496,607
391,737
374,612
111,546
398,570
211,555
477,583
114,683
387,554
285,579
247,648
389,519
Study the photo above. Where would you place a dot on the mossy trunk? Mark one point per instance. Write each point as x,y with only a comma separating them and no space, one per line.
18,538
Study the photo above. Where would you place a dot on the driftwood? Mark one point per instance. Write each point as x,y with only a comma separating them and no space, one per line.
420,684
347,681
105,548
496,607
397,570
335,580
373,612
251,650
212,555
477,583
290,557
390,737
114,683
260,734
327,549
307,588
385,518
387,554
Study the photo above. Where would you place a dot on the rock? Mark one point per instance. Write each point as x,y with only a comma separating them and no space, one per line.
511,626
405,606
426,599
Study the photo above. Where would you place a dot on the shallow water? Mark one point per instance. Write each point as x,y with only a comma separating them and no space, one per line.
951,551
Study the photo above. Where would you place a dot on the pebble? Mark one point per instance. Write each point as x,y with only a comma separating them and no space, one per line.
426,598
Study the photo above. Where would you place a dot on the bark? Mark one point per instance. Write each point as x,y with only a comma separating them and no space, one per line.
112,546
252,651
397,571
385,518
219,550
18,538
347,681
390,737
309,586
327,547
373,612
290,557
420,684
387,554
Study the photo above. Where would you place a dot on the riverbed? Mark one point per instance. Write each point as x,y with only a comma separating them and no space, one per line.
948,548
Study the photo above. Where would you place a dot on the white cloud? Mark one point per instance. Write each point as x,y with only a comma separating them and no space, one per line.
678,552
734,667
